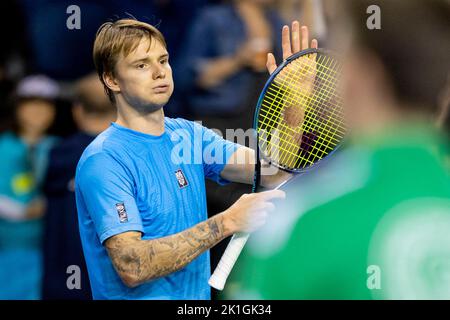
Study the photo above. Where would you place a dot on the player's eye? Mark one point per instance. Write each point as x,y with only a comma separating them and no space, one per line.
142,66
164,61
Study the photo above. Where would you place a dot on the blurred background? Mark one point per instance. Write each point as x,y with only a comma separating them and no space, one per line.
52,106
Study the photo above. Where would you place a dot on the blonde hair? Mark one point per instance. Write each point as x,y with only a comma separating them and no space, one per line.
121,37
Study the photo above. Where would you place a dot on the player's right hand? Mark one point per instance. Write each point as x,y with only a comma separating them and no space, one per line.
250,212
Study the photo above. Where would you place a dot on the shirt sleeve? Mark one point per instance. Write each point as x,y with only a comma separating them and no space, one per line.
107,191
216,153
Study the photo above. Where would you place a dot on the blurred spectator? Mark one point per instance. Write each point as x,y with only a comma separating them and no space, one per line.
371,223
224,64
23,164
93,113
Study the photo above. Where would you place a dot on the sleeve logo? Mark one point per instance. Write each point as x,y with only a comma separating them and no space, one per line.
182,182
122,212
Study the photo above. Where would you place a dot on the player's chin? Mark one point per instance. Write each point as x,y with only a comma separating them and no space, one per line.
159,99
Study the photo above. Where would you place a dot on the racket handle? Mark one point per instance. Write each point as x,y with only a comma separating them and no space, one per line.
226,263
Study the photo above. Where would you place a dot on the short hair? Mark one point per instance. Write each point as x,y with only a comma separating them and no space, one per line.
412,44
121,37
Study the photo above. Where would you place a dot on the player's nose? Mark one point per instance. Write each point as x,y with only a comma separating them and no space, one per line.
159,73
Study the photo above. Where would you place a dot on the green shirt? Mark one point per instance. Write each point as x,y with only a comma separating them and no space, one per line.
373,222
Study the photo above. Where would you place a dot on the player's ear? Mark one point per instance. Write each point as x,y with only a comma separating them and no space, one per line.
111,82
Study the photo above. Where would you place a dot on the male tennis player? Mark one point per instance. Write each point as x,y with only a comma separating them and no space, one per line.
142,213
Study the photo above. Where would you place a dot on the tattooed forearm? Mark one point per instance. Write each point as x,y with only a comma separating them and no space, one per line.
138,261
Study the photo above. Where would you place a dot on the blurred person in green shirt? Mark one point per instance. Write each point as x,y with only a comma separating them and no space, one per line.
373,221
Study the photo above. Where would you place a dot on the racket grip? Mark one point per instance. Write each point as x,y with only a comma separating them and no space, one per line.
226,263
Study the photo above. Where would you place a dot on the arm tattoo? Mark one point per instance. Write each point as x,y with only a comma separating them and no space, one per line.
138,261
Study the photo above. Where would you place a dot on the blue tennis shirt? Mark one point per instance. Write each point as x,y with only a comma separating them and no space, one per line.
131,181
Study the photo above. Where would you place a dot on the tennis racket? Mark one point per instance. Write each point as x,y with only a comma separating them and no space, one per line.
299,122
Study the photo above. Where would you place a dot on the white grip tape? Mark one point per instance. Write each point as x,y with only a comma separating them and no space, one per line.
226,263
231,254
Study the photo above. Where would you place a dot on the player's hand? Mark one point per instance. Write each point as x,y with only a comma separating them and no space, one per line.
293,40
250,212
296,82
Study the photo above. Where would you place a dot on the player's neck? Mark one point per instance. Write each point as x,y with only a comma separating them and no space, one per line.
151,123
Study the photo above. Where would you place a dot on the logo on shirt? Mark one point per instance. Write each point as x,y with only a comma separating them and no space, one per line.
122,212
182,182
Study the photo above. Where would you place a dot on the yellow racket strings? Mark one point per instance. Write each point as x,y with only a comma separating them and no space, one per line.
301,119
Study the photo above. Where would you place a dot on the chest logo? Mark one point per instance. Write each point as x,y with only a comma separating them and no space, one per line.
182,182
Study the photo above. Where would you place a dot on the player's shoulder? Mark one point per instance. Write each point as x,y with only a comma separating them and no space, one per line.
180,126
173,124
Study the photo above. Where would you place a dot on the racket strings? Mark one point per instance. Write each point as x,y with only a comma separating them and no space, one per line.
288,98
301,119
307,148
335,113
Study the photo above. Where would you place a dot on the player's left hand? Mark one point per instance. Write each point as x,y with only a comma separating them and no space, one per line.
294,40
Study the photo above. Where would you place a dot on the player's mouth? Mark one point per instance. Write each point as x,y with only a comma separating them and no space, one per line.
164,88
